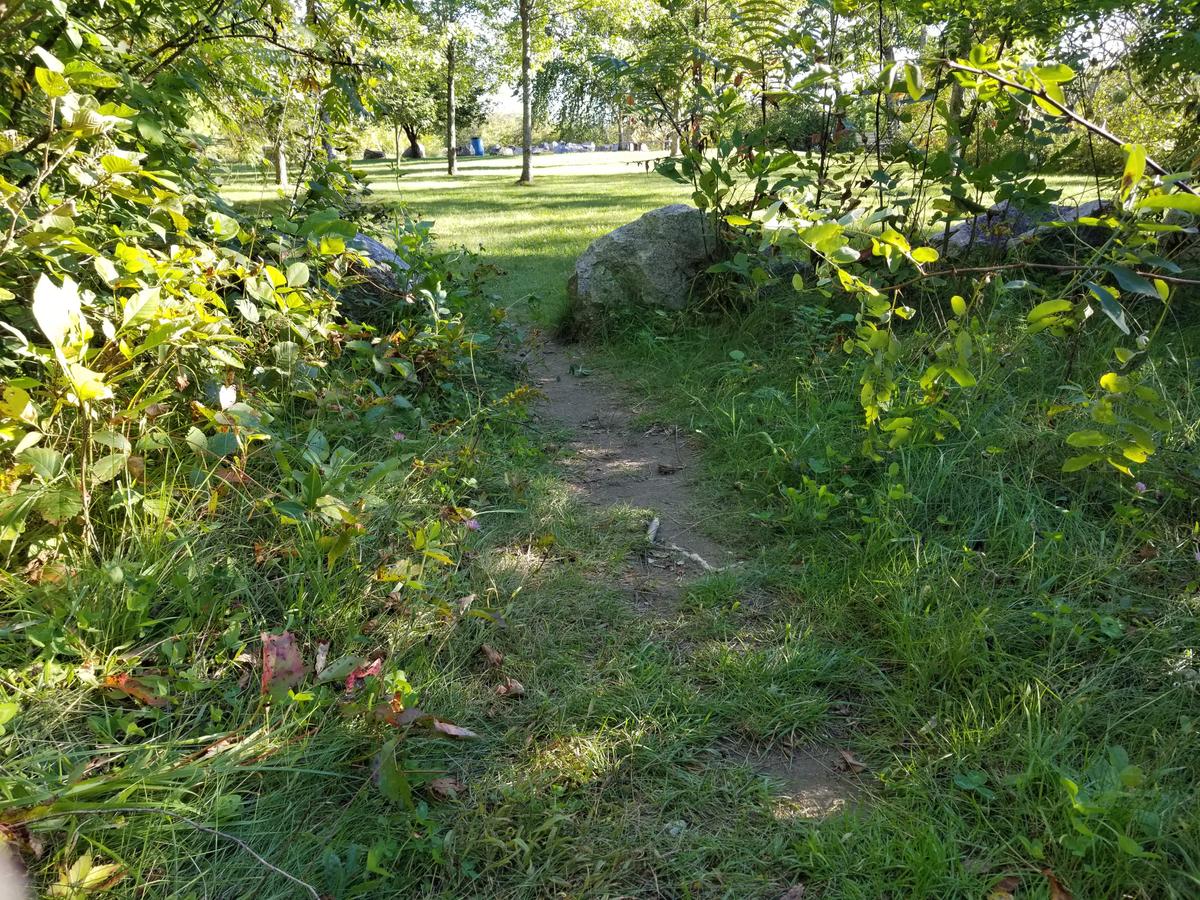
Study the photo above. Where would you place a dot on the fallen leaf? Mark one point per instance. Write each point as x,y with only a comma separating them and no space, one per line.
850,763
510,687
664,469
397,715
1003,889
230,475
154,410
1057,891
464,603
362,672
322,655
450,729
493,656
136,689
445,788
795,892
283,664
136,467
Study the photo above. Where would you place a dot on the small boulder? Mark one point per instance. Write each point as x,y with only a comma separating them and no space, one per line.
414,151
649,262
374,154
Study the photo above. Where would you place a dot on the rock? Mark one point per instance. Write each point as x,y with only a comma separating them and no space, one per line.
1057,234
649,262
374,154
414,151
507,151
387,265
1009,227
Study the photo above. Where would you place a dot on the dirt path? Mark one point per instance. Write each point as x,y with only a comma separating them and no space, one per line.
615,460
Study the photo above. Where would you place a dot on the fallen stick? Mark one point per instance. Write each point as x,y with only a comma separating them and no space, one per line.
652,540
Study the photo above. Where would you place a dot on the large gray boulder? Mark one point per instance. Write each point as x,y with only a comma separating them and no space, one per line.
649,262
1007,227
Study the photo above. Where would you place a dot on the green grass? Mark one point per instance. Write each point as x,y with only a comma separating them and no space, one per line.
978,628
998,631
531,233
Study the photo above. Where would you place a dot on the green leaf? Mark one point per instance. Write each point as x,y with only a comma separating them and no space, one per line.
55,308
1189,203
1049,308
221,225
1088,438
1114,383
1135,168
297,274
106,468
1133,282
1054,74
114,440
959,305
1109,304
739,221
141,306
924,255
1075,463
914,81
47,464
54,84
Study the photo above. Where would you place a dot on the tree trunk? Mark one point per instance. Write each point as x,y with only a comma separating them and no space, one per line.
451,111
416,151
279,159
526,10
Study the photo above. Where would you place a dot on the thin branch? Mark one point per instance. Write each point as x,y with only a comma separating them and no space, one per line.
1069,113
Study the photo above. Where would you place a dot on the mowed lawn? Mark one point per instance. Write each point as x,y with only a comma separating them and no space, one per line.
532,233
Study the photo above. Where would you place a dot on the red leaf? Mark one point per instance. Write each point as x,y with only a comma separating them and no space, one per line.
130,686
362,672
283,664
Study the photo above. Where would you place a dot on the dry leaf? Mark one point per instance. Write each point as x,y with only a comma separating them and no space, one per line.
493,656
362,672
154,410
850,763
136,689
1057,891
283,664
396,715
668,470
464,603
1003,889
322,656
510,687
446,788
450,729
795,892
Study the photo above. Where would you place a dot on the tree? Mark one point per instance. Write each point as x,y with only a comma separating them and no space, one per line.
460,29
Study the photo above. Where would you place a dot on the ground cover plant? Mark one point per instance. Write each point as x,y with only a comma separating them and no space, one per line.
307,586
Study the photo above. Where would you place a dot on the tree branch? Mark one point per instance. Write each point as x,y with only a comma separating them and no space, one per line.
1066,111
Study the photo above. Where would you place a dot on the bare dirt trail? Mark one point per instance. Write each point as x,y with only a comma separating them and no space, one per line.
612,459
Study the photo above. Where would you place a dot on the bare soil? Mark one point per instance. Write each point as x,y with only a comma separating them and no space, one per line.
609,459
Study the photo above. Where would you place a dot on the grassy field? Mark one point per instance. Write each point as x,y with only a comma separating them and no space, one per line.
1008,650
532,233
